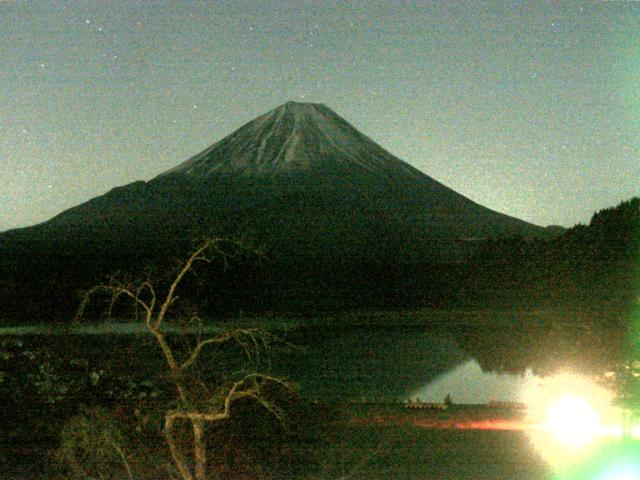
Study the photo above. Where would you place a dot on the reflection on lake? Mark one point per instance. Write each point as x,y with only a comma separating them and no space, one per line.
359,362
468,383
397,364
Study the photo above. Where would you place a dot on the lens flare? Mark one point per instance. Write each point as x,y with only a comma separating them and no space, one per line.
573,422
567,413
610,459
621,474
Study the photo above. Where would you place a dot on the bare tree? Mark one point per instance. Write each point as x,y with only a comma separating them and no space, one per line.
198,412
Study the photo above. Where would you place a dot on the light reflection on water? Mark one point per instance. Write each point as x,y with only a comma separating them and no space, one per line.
400,364
102,328
468,383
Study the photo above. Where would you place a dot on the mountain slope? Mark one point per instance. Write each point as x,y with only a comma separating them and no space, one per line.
334,213
294,138
298,180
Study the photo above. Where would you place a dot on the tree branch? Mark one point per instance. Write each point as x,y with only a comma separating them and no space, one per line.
252,341
200,345
198,255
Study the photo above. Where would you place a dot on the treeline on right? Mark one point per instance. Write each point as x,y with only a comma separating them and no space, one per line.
570,299
592,267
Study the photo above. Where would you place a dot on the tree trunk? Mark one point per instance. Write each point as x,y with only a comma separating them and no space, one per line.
183,468
199,449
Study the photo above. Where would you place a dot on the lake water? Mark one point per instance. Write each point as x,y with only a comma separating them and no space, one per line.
467,383
397,364
359,363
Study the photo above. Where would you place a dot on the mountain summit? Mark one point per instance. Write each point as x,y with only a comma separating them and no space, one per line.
299,181
293,138
340,221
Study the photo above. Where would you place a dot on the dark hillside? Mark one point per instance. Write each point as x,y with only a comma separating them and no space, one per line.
593,266
341,223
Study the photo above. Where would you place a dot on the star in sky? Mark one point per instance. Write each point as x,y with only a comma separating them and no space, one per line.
467,92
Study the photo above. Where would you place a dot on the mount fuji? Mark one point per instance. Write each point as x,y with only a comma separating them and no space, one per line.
340,222
298,181
291,139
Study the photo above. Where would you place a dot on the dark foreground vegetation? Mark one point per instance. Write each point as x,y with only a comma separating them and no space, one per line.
92,407
80,407
70,400
591,267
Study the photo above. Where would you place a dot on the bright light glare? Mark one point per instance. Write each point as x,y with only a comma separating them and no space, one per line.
573,421
568,414
625,474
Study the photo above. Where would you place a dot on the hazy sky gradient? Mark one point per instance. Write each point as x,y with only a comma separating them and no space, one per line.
529,108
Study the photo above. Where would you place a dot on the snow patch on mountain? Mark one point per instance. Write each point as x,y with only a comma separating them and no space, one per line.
293,137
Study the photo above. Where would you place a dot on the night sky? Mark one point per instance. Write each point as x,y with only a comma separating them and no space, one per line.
529,108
